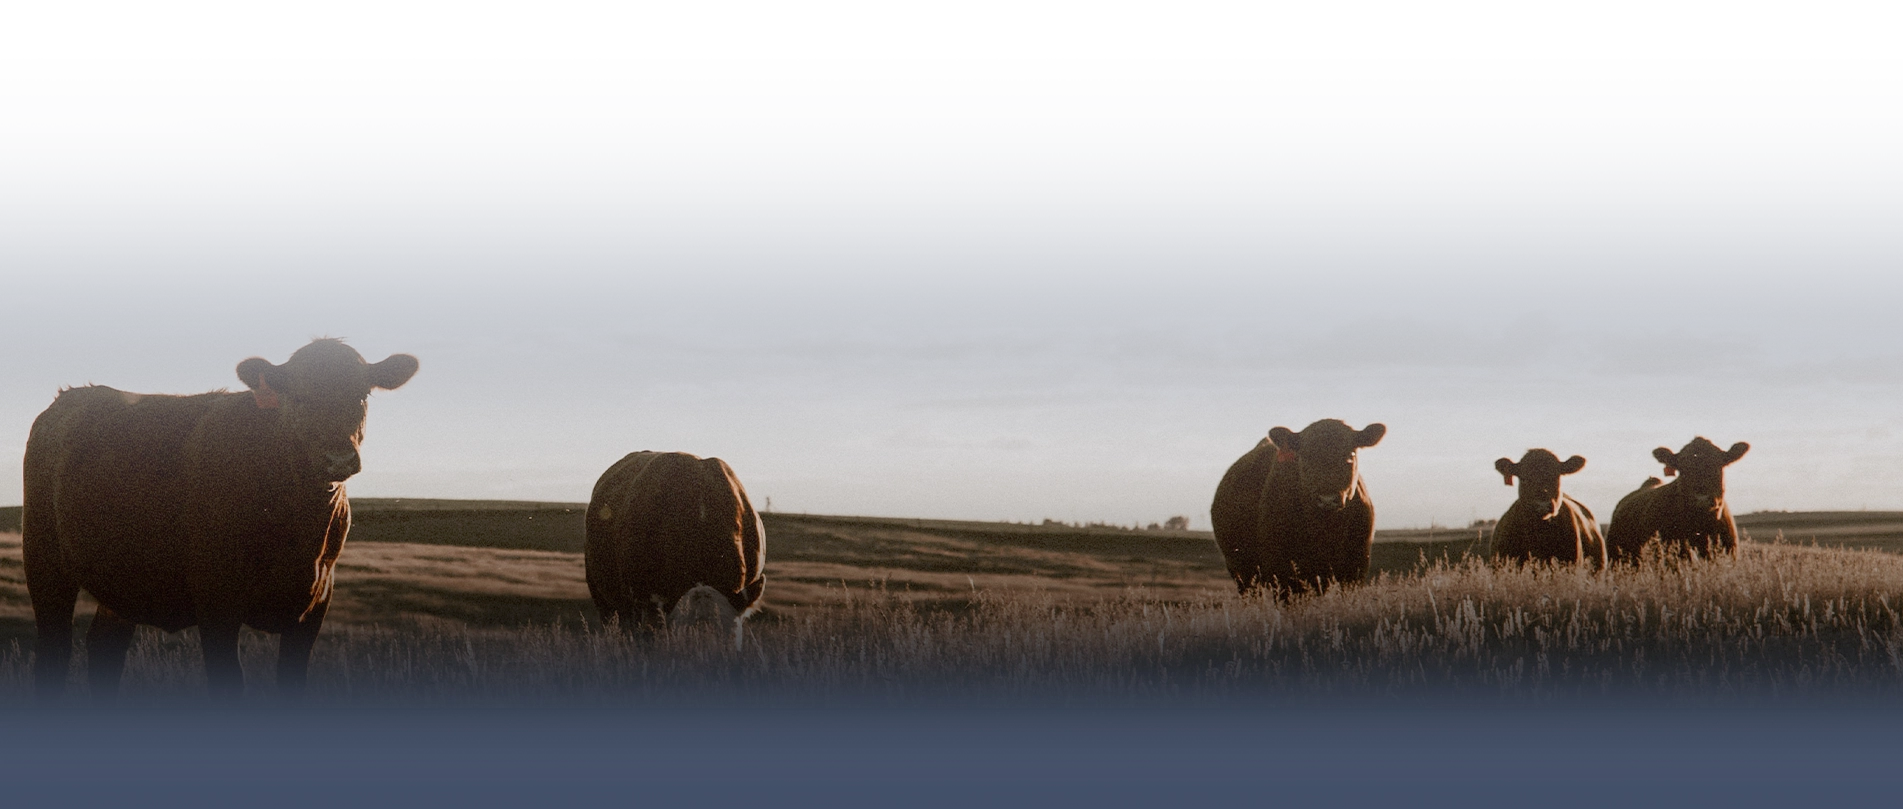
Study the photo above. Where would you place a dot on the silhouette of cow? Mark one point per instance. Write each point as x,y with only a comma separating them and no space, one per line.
1543,524
662,525
217,510
1687,515
1293,514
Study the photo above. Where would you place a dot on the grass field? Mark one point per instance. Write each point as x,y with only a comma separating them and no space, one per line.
424,563
894,609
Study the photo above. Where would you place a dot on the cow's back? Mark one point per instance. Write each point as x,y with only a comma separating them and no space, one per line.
1661,510
680,525
1636,519
660,524
1592,541
1235,514
106,480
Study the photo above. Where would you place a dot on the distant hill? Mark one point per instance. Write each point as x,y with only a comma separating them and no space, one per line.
1876,530
537,525
520,525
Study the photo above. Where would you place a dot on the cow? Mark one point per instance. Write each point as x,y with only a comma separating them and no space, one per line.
216,510
662,525
1688,515
1543,524
1293,514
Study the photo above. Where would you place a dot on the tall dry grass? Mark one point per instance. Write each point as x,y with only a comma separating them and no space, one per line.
1775,622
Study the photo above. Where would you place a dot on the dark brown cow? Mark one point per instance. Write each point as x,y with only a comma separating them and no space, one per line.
1293,514
1687,515
216,510
1543,524
662,524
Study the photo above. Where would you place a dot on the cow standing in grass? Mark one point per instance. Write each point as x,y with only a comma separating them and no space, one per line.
1293,514
1543,524
1688,515
217,510
664,525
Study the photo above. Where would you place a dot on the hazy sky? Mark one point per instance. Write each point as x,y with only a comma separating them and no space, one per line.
1007,261
952,126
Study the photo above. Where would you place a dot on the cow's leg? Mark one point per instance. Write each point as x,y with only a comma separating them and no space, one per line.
747,597
106,643
653,615
648,614
610,594
610,617
54,596
612,614
52,590
743,603
223,675
645,610
294,653
1250,578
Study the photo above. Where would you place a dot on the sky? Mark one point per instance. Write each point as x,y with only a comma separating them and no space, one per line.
961,27
986,288
989,261
952,126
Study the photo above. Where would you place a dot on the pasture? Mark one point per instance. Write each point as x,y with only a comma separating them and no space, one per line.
896,610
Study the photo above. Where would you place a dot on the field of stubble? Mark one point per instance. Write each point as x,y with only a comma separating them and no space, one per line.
878,611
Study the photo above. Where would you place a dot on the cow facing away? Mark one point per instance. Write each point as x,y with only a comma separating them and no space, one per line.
217,510
1293,514
1544,524
664,526
1688,515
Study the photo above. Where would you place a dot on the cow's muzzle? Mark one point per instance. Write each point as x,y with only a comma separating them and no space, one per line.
1331,502
1545,509
339,466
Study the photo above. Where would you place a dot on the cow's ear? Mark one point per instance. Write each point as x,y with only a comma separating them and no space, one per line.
395,370
1665,456
259,371
1285,439
1371,435
1506,469
1737,451
1573,464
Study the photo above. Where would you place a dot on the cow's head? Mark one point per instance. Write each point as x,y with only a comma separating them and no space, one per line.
1700,467
322,393
1539,472
1324,452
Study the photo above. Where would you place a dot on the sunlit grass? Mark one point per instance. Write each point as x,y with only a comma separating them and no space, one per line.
1777,621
